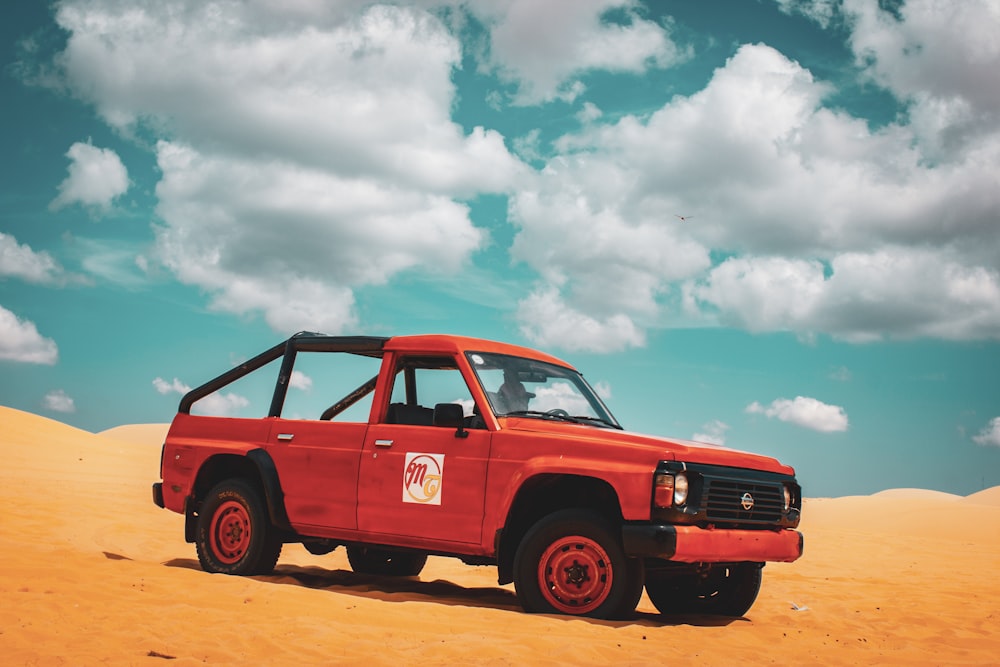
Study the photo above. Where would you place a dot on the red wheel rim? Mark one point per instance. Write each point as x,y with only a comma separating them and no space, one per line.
575,575
230,532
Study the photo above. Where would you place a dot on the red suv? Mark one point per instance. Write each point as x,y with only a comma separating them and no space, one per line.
396,448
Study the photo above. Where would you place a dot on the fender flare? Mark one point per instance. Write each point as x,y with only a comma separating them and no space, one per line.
274,497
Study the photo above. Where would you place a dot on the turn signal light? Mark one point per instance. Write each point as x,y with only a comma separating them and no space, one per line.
663,491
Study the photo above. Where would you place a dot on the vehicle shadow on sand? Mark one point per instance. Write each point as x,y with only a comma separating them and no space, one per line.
406,589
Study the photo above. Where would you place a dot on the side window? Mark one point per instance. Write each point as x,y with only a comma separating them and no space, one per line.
246,397
423,382
331,385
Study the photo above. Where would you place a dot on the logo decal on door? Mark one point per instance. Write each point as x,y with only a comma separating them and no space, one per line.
423,475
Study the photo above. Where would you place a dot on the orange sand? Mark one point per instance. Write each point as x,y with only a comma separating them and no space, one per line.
93,573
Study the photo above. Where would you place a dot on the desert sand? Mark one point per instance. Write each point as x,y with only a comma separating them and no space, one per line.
94,573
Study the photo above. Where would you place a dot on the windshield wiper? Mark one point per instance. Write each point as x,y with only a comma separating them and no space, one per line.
597,421
587,421
542,414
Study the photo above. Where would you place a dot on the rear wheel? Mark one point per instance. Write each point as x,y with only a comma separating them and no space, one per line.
385,562
720,589
234,534
572,562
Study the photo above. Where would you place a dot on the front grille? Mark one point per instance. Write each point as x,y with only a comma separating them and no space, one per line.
716,497
723,501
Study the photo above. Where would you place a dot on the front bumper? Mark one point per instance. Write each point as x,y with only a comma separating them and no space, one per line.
692,544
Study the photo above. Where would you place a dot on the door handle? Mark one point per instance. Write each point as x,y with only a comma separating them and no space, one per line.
383,443
287,437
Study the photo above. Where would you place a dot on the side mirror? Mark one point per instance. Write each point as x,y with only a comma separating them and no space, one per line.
451,415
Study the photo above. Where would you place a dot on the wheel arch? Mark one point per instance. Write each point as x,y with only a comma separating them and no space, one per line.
256,467
544,494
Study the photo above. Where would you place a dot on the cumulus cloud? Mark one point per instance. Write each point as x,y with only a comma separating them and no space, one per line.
20,341
804,411
548,321
175,387
96,178
942,57
860,297
713,432
59,401
291,241
303,153
20,261
560,395
307,151
823,224
543,47
300,380
990,435
219,404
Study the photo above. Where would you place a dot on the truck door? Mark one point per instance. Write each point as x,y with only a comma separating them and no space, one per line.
316,442
421,480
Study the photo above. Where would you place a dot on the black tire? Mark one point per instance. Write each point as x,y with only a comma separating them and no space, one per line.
234,534
385,562
725,589
572,562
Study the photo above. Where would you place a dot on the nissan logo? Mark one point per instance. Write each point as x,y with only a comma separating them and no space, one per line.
746,502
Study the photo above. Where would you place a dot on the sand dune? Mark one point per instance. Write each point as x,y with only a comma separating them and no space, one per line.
94,573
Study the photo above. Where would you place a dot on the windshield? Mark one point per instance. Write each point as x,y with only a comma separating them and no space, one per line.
516,386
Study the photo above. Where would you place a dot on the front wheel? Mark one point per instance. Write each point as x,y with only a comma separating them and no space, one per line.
572,562
720,589
234,533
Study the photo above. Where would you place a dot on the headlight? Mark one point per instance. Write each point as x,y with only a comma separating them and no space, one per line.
680,489
788,496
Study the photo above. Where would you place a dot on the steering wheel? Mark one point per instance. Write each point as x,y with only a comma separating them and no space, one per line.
558,412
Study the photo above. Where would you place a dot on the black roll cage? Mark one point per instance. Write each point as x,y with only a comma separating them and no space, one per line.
304,341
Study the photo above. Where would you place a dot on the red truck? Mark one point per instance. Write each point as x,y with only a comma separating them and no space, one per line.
488,452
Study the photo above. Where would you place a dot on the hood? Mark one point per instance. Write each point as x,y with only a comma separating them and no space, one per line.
638,446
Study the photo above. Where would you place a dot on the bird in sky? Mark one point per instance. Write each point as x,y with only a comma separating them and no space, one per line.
683,218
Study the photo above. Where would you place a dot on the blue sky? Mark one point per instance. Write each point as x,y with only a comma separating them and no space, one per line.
185,183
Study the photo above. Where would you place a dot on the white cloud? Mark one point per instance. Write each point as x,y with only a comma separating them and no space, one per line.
713,432
367,94
990,435
560,395
20,341
549,322
96,178
20,261
301,381
292,241
544,46
59,401
820,11
940,56
866,296
307,152
175,387
218,404
829,227
804,411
